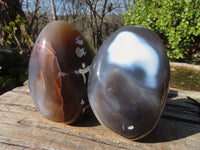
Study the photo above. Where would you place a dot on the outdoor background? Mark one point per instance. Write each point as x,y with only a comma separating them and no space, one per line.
176,22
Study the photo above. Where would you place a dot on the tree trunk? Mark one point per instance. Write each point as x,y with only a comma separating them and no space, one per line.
54,10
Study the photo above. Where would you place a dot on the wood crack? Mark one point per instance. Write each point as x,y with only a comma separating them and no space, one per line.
81,136
11,144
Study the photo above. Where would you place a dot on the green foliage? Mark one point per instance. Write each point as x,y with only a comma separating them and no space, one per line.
17,35
177,22
13,66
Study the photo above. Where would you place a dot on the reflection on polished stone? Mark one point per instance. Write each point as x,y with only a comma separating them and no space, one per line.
58,72
128,81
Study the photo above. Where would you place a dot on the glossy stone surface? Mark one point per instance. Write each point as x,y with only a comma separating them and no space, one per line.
58,72
128,82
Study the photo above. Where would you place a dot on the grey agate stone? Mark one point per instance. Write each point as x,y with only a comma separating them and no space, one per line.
128,82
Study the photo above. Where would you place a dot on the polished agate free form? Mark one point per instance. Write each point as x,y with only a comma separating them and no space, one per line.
58,72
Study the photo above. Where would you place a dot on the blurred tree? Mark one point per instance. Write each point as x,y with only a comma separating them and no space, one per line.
73,9
98,9
88,16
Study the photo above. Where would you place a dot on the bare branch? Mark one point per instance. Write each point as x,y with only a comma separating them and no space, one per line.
54,10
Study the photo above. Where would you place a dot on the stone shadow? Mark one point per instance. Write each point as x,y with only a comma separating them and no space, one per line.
88,121
180,119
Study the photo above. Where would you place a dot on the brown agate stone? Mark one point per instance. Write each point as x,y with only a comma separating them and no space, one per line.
58,72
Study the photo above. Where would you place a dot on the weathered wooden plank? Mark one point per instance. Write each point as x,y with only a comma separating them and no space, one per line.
185,65
23,127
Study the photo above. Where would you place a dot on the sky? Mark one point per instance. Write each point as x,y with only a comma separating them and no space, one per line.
46,6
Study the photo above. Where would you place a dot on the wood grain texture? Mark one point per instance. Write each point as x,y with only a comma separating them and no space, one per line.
23,127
